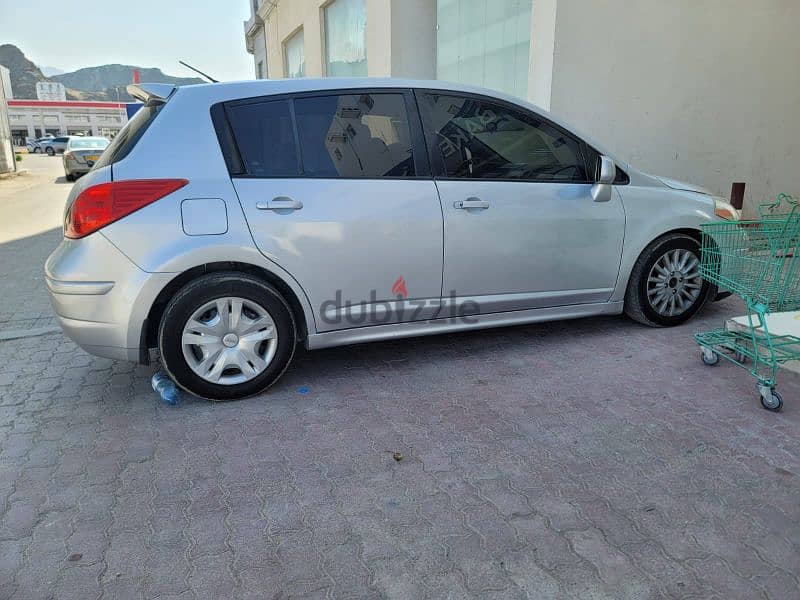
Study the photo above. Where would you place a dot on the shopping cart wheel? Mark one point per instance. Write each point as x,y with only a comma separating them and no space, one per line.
740,357
710,357
770,399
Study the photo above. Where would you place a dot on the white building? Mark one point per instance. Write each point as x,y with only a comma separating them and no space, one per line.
36,118
700,90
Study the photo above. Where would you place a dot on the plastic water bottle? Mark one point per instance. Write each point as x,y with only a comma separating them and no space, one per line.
166,388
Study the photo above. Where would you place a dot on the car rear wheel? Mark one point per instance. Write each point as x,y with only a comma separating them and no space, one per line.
665,287
226,335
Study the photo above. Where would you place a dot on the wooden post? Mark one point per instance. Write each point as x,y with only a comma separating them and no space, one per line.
737,195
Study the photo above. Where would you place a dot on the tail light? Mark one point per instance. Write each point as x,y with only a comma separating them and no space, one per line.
102,204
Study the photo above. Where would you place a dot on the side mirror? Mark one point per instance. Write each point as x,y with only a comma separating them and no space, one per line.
607,172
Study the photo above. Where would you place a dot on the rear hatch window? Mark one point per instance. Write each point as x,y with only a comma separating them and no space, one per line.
129,135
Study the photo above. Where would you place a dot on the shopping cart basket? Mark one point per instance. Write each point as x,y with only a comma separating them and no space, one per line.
758,261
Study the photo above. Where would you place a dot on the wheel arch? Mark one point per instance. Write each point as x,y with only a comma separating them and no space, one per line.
627,265
149,334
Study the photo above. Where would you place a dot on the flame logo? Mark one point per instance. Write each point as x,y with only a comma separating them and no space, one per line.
399,288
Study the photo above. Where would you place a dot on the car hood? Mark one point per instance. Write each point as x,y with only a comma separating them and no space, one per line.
682,185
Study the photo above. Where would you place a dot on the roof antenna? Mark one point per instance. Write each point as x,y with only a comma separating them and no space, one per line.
211,79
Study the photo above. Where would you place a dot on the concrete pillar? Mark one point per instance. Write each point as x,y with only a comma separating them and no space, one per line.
543,41
413,39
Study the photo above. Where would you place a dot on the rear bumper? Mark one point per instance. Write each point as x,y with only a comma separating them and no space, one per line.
101,299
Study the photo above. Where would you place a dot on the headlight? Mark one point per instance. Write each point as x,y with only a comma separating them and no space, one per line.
725,210
67,154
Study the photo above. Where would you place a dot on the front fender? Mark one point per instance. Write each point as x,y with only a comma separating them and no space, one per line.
651,212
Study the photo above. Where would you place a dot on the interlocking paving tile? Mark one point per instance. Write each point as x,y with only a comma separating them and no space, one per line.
583,459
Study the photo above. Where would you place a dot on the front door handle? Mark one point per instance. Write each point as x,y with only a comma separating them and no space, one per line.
471,203
280,203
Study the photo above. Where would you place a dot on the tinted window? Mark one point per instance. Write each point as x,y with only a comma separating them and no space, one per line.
357,135
129,135
475,139
265,138
593,159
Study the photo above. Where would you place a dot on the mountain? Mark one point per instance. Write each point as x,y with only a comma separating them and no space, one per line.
106,82
106,79
50,71
24,74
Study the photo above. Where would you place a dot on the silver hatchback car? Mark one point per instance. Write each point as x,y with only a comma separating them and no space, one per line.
227,222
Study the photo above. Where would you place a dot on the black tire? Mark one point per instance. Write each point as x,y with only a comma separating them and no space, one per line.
37,150
207,288
69,177
637,305
775,404
51,152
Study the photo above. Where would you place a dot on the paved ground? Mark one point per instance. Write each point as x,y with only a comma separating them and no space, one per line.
591,459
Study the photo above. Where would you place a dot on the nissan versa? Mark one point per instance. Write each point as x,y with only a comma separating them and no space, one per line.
227,222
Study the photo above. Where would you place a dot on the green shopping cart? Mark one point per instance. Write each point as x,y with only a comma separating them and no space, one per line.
758,261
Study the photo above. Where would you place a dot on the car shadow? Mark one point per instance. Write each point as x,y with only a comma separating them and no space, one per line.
62,179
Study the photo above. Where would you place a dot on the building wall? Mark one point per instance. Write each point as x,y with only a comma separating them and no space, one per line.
704,91
400,36
260,55
7,158
26,116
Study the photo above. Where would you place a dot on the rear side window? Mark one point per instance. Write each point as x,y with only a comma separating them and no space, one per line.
354,135
265,137
129,135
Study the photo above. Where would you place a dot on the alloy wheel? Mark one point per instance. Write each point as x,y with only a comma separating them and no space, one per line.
674,283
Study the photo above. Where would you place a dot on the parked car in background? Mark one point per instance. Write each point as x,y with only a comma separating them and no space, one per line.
81,154
340,211
55,145
33,144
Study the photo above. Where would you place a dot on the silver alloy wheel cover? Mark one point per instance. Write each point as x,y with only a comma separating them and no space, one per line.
674,282
229,340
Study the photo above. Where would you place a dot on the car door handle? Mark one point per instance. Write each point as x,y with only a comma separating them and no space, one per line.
280,203
471,203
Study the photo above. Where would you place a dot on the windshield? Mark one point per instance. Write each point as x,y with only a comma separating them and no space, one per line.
88,143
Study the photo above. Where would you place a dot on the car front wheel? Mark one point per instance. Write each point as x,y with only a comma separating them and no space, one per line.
51,152
665,287
226,335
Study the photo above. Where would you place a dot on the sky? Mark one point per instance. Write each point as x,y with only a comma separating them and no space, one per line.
70,35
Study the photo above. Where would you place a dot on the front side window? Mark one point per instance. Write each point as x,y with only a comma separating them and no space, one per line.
476,139
346,39
265,138
354,135
295,56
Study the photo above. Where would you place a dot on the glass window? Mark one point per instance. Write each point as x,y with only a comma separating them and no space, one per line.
484,42
87,143
260,70
345,39
295,56
475,139
359,135
265,138
129,135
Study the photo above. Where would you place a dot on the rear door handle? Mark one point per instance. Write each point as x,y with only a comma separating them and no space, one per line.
280,203
471,203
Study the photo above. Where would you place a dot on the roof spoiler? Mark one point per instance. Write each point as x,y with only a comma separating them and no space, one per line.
145,92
